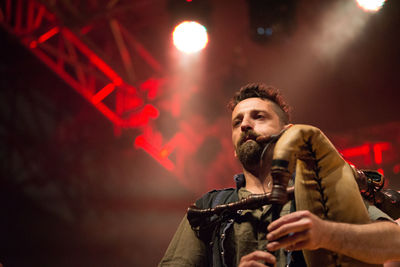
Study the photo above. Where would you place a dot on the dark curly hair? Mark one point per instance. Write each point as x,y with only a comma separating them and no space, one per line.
263,91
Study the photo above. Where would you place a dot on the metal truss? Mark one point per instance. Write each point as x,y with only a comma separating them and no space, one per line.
64,51
71,38
67,53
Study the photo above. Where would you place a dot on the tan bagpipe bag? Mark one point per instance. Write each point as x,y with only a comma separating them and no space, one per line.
324,184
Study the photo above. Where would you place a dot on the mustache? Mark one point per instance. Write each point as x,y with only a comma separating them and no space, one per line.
261,139
248,135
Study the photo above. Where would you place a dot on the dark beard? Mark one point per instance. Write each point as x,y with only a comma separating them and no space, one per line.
249,154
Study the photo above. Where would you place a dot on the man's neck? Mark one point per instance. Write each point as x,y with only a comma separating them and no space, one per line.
256,183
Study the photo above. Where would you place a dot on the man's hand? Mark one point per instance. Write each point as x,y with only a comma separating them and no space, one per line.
253,259
297,230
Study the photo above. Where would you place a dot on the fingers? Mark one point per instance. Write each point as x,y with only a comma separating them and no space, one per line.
292,217
253,259
290,242
298,230
297,246
252,264
300,225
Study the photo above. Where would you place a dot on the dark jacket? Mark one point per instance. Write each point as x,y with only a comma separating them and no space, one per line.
214,230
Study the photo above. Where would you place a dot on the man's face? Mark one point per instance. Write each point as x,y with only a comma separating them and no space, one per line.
251,118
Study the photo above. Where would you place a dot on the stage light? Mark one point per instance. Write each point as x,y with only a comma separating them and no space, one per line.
190,37
193,35
371,5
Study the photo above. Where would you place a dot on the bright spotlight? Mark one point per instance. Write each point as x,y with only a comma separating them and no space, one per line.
371,5
190,37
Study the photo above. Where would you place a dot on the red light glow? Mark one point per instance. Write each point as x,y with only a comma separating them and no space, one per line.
164,153
33,44
44,37
368,152
86,29
39,17
98,62
396,169
18,17
363,150
141,118
103,93
141,142
152,87
378,149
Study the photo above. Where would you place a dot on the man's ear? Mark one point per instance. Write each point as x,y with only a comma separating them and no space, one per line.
234,153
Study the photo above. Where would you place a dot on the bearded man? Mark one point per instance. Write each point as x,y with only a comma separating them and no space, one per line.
251,238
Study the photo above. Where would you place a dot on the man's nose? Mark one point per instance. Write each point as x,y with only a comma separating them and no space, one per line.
246,125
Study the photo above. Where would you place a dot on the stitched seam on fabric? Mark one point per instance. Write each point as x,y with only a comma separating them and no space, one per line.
321,189
316,178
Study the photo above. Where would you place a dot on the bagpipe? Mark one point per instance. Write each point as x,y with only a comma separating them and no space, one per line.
324,184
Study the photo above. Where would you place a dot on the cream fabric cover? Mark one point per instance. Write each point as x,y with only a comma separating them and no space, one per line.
324,185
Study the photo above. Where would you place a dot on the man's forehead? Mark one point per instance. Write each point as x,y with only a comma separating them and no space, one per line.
253,103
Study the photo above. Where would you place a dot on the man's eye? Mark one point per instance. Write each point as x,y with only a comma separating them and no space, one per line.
260,116
236,123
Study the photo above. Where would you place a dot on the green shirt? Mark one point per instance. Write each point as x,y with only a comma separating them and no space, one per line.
249,234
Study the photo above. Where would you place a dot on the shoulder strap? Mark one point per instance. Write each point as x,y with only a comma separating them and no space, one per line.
225,196
217,197
207,228
203,223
